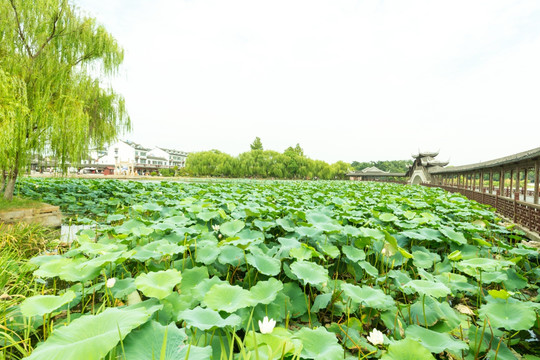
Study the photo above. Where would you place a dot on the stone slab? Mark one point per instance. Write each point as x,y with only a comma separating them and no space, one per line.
47,215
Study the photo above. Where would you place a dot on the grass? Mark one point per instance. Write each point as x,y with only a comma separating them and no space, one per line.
26,240
18,243
19,203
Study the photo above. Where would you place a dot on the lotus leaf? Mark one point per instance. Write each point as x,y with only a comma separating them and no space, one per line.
434,341
231,255
309,273
455,236
264,292
425,287
510,316
407,349
319,344
354,254
231,228
206,319
207,254
265,264
158,284
91,337
373,298
122,288
40,305
147,342
229,298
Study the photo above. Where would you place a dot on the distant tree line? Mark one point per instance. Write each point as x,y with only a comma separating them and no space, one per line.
399,166
260,163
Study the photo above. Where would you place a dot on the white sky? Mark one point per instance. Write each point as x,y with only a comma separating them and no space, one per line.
348,80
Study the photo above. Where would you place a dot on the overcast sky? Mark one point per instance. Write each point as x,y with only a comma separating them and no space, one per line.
348,80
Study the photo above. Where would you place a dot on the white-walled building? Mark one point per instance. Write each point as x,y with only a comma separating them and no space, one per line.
172,157
127,157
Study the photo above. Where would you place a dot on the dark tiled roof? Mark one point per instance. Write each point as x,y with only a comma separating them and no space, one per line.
515,158
173,152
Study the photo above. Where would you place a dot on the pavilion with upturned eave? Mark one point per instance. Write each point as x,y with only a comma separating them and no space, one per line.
424,164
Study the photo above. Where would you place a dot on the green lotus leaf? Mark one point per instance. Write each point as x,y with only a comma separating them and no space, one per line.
158,284
147,342
323,222
309,273
91,337
192,277
367,296
455,236
499,294
308,232
482,341
517,281
286,224
298,306
387,217
40,305
68,269
483,264
490,277
115,217
354,254
206,319
455,255
264,292
303,252
434,341
206,215
245,238
91,248
200,290
351,231
509,316
427,311
425,287
407,349
207,254
372,233
232,228
134,227
265,264
226,297
276,345
319,344
151,207
231,255
425,259
329,249
123,287
321,302
368,268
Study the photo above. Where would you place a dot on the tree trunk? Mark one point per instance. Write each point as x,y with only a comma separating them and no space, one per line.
10,186
3,178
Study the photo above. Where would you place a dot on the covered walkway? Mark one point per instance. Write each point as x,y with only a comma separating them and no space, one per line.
509,184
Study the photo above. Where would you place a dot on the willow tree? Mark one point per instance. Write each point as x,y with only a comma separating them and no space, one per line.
53,62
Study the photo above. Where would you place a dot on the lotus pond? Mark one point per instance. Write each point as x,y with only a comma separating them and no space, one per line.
345,270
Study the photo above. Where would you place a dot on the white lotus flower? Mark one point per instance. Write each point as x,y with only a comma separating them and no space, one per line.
385,252
375,337
111,282
215,228
266,326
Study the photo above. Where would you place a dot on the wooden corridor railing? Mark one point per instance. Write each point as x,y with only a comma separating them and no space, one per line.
520,212
501,183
